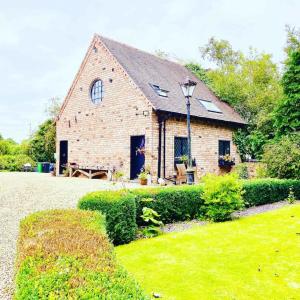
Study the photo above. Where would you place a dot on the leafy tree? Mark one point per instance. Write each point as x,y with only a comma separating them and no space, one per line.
162,54
287,114
250,83
198,71
53,107
42,144
282,157
293,39
220,52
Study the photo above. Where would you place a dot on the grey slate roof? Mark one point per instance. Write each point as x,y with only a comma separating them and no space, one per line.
146,69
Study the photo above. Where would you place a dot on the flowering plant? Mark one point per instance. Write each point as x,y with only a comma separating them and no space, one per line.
226,160
226,157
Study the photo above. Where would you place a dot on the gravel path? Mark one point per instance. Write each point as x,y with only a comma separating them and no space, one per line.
24,193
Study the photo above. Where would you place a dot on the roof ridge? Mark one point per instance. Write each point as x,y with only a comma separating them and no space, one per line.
101,37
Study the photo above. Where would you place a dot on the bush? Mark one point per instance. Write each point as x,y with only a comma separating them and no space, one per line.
65,254
222,196
282,158
242,171
173,204
15,162
264,191
120,210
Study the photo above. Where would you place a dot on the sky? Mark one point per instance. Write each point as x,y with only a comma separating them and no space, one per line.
42,43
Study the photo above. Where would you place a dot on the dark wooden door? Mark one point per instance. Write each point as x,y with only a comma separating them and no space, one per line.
137,155
63,155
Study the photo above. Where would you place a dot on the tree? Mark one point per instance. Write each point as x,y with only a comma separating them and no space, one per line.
53,107
198,71
287,114
42,144
220,52
293,39
251,84
282,157
162,54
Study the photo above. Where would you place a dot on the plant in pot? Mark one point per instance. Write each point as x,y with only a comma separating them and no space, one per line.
184,159
226,161
143,177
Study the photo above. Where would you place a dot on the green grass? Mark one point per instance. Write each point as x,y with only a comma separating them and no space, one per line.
255,257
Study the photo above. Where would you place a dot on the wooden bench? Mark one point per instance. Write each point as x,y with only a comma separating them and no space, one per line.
90,172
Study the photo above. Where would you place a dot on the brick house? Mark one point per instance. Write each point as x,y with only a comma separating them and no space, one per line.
125,110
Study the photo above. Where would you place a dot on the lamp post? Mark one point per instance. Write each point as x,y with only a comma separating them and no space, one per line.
187,88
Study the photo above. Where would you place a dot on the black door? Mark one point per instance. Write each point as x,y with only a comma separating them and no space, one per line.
63,155
137,155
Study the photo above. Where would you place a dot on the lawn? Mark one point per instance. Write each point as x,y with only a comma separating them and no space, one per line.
254,257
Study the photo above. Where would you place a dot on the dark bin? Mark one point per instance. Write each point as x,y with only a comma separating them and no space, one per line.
46,167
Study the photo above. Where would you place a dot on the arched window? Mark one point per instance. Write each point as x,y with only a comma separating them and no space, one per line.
97,91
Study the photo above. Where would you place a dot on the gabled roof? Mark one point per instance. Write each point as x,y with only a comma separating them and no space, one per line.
146,69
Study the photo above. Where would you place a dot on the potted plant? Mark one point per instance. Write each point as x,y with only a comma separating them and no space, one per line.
143,177
226,161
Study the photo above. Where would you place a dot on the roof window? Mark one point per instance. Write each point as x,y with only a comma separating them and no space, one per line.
159,91
210,106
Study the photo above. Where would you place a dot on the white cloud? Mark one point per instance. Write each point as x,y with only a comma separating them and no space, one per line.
42,43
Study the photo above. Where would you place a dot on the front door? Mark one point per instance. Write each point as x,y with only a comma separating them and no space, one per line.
137,155
63,155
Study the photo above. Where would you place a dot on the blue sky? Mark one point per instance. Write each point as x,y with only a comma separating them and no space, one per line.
42,43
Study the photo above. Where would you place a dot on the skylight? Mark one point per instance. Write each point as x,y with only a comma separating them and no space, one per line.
210,106
159,91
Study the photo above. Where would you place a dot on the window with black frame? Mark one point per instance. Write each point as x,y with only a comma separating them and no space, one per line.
180,149
224,148
225,160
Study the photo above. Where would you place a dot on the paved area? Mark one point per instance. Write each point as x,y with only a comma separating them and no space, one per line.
24,193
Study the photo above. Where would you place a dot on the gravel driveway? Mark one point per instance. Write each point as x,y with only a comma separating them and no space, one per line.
24,193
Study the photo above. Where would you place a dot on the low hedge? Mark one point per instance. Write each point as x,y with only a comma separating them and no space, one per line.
269,190
15,162
123,209
119,208
65,254
178,203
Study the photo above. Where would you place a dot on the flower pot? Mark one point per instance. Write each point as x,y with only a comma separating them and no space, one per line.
143,181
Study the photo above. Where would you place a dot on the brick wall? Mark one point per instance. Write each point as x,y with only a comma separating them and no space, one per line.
100,134
205,142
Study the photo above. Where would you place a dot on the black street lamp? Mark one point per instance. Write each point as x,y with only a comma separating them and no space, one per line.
188,87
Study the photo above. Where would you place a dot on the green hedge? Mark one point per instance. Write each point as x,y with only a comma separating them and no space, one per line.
264,191
123,209
65,254
178,203
15,162
119,208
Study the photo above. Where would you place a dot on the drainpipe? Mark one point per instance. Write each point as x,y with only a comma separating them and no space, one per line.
164,154
159,148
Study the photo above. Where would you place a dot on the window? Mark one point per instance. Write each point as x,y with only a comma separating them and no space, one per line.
224,148
210,106
180,148
97,91
159,91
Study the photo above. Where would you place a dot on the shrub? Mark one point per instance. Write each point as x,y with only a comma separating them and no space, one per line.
171,203
65,254
14,162
282,158
242,171
269,190
222,196
120,210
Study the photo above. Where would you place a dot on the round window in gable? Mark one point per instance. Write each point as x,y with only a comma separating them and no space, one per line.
97,91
